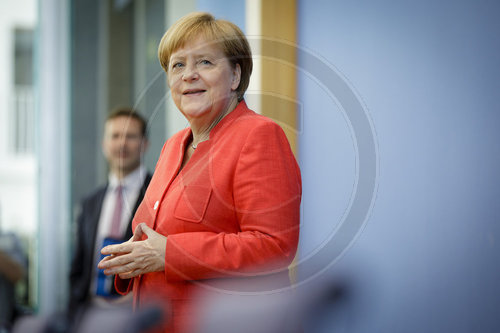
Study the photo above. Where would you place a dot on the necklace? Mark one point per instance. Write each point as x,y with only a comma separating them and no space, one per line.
203,138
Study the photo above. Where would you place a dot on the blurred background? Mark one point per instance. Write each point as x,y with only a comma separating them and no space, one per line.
390,106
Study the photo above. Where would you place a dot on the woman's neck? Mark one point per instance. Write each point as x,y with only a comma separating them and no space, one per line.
202,133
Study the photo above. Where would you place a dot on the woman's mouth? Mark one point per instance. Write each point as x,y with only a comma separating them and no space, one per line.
193,91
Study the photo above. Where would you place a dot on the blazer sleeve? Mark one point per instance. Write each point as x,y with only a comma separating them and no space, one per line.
267,193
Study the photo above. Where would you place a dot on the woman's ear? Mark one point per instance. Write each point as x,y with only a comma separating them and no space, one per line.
236,77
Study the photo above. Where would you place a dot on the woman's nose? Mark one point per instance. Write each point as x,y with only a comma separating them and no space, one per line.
190,74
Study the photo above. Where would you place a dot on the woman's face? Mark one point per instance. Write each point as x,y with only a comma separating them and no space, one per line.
201,80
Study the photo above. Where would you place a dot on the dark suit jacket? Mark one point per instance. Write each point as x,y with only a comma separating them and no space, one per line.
84,252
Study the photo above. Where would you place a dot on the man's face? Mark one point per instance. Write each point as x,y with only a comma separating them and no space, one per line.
123,144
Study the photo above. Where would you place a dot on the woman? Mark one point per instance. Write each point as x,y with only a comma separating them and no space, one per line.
222,208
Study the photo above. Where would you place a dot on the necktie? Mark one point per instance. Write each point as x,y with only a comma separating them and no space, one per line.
104,283
117,213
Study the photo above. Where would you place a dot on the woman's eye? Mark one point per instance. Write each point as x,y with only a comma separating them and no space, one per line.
177,65
205,62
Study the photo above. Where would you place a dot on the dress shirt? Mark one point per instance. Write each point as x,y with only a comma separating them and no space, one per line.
131,186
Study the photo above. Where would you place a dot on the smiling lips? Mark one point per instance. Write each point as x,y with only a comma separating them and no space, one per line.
193,91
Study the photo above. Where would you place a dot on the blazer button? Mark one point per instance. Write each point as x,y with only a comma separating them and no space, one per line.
157,203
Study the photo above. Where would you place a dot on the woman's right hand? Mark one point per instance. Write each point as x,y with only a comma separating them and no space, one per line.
135,256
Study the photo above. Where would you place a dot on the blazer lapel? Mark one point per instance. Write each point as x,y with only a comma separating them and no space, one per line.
168,170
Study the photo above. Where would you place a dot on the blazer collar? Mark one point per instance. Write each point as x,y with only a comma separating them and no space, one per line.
238,111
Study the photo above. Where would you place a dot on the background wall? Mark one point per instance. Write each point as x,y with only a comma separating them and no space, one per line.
428,73
18,169
113,64
228,10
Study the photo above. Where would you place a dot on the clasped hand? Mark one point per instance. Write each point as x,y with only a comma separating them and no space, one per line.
135,256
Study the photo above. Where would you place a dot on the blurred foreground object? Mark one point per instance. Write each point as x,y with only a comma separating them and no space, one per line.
12,269
94,319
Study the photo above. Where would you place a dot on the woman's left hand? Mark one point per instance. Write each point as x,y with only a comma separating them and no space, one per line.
135,256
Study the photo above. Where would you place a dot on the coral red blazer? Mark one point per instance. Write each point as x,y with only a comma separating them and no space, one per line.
231,215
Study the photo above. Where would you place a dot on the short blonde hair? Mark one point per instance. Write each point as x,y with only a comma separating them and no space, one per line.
229,37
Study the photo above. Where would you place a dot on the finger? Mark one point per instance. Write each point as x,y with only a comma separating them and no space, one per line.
120,269
104,260
138,232
111,256
117,248
147,230
113,261
129,275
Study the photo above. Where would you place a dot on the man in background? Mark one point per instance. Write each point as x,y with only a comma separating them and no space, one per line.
106,214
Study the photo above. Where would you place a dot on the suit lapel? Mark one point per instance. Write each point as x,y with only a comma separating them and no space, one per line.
129,232
96,209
